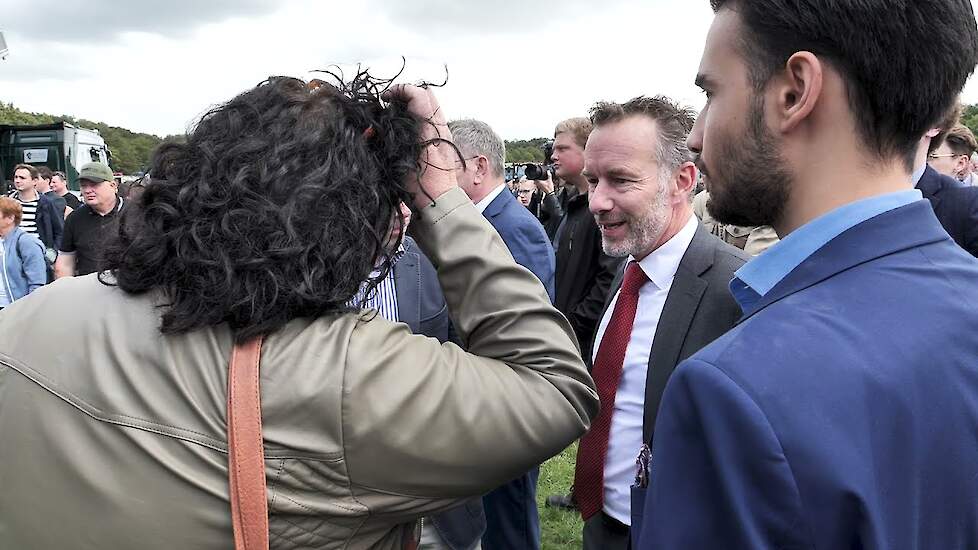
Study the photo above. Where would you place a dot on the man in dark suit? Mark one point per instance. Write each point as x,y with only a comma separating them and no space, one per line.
840,412
411,294
954,203
512,520
420,303
670,300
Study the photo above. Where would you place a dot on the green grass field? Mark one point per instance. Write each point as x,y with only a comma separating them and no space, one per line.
560,529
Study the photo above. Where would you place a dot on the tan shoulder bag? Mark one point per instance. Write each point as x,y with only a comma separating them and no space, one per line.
246,453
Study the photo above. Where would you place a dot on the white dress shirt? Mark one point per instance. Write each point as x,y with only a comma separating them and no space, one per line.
484,203
625,437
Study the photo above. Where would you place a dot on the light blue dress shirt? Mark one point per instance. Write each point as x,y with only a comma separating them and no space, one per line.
758,276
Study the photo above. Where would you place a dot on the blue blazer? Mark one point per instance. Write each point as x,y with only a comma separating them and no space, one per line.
841,411
956,206
524,236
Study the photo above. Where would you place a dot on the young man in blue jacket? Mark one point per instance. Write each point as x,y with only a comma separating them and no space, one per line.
840,412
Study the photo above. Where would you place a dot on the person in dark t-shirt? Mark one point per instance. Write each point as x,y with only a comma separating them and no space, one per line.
59,187
88,227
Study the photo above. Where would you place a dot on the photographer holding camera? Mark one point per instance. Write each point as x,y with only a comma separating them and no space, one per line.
584,271
547,204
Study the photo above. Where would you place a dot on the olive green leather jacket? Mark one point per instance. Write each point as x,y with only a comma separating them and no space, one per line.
112,435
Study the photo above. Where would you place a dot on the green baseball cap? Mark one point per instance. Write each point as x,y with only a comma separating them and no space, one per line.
95,171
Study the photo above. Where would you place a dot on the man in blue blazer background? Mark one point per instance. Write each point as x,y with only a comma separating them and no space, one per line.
841,411
481,178
511,518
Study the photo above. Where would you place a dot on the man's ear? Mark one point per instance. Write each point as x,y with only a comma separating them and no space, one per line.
685,181
799,89
962,165
481,168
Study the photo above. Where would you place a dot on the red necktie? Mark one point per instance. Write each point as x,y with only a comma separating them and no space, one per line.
589,471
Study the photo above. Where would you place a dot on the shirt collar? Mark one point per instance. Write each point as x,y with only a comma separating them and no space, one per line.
115,210
395,257
12,234
662,263
16,195
768,269
487,200
398,254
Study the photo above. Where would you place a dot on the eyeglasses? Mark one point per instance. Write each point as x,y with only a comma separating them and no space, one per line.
936,156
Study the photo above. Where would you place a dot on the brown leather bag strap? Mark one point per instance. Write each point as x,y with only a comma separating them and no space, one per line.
246,453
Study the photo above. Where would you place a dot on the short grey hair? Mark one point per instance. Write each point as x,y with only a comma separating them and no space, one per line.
474,137
674,122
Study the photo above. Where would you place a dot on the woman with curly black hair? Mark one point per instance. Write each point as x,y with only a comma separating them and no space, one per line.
262,228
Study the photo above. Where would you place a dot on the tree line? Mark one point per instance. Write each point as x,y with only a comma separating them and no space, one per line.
131,151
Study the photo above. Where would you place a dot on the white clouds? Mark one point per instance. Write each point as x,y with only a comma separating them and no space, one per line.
520,65
88,21
513,17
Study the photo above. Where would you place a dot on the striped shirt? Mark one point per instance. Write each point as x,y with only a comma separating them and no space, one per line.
28,221
383,299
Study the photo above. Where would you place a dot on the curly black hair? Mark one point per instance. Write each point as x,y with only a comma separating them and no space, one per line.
276,207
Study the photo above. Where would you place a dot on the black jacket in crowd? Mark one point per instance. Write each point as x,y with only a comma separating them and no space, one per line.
549,208
584,272
50,222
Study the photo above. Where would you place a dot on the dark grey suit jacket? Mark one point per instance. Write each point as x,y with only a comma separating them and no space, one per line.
698,309
420,302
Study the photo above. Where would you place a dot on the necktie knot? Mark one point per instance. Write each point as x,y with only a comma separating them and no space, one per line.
634,278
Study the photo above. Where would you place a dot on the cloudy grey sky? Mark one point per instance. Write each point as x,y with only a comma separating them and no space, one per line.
520,65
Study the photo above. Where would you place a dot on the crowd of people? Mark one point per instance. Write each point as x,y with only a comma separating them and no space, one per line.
758,320
51,227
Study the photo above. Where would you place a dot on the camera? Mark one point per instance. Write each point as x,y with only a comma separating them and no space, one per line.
539,171
535,172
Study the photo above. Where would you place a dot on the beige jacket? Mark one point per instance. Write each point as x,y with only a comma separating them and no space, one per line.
752,240
113,435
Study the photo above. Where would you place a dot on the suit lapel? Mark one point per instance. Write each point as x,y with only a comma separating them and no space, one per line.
677,315
407,283
615,287
498,204
874,238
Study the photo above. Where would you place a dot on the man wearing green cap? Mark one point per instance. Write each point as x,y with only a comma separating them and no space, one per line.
87,228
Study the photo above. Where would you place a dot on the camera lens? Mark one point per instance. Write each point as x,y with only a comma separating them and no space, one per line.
535,172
